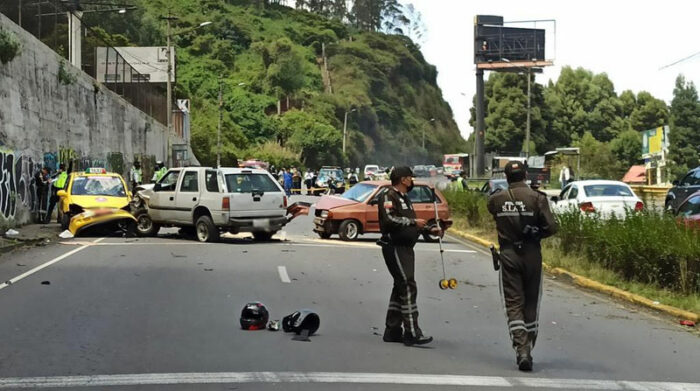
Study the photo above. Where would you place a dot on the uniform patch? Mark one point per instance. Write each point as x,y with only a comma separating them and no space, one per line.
388,204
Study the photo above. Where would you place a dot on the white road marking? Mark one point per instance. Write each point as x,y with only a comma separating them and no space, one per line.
134,244
47,264
336,377
283,274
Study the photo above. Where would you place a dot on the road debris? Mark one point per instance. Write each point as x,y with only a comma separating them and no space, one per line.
688,323
46,283
11,232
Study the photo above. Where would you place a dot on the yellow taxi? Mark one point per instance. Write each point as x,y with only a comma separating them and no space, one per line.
95,199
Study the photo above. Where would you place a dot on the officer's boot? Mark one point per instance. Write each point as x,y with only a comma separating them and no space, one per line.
524,359
420,339
393,335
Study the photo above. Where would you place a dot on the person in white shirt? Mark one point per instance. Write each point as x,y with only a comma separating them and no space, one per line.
564,176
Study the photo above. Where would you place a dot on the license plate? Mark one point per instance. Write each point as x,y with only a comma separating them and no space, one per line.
260,223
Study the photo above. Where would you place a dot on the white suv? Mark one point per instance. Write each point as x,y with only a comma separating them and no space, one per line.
212,200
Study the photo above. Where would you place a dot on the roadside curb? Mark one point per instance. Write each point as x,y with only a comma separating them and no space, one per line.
597,286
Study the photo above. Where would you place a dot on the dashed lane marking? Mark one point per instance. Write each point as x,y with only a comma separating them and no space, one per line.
284,277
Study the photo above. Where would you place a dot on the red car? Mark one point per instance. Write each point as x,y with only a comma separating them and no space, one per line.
356,212
689,211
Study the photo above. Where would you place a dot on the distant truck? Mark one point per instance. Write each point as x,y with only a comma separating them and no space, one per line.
454,164
537,171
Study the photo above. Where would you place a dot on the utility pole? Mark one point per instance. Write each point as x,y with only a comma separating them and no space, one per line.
345,127
480,126
169,103
221,118
527,126
423,143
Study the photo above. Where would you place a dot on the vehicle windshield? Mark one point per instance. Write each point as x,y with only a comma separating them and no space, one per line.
691,207
98,186
248,182
607,190
451,160
372,169
325,174
360,192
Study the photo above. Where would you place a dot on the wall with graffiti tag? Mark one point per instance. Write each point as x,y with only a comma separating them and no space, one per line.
81,124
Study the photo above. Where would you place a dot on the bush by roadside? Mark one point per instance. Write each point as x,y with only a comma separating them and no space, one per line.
645,253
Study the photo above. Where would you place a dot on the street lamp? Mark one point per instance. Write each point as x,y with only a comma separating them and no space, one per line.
169,88
221,117
527,123
431,120
345,126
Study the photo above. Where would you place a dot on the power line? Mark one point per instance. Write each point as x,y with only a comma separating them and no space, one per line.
679,61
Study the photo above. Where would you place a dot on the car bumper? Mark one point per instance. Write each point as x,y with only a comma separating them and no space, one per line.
262,224
322,225
80,223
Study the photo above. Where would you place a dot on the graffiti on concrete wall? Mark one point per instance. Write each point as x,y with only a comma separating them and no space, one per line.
19,175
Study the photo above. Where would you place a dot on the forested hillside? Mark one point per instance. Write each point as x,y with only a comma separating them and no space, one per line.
283,100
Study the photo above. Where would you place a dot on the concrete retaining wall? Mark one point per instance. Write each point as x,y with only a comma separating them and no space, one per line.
44,122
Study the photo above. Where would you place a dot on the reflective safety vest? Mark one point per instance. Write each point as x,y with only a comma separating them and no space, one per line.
60,181
160,173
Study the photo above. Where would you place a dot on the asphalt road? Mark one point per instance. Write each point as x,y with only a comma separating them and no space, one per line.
162,314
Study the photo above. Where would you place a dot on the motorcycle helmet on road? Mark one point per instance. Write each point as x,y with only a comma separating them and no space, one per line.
254,316
301,320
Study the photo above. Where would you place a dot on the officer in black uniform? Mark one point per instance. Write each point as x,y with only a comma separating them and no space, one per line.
523,218
400,229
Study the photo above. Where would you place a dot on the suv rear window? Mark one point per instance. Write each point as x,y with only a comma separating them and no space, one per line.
247,183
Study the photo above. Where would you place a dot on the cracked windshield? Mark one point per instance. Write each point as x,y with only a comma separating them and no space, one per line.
349,195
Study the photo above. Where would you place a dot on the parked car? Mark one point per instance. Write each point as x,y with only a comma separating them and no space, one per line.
95,199
682,189
356,211
432,170
607,198
421,171
210,200
492,185
688,213
329,174
370,170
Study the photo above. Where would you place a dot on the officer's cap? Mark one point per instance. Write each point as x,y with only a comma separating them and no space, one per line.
515,171
400,172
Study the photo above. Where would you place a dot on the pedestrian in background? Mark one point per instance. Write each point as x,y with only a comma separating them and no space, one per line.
41,179
523,219
564,176
160,172
296,181
308,180
287,182
136,175
57,183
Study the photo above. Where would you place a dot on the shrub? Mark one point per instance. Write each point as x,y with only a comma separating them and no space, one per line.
470,205
9,46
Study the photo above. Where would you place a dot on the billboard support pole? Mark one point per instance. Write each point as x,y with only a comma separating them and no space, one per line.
479,139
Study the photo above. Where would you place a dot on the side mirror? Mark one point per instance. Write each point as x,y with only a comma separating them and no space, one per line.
61,193
555,199
157,187
675,182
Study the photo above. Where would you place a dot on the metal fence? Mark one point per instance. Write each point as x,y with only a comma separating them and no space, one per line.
47,20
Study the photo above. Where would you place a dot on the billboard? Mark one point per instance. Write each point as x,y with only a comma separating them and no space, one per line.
150,64
655,141
494,43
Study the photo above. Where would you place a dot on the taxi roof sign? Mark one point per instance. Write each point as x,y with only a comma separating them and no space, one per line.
96,170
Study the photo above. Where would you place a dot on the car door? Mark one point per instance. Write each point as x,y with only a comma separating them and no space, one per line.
372,210
422,199
562,203
689,185
161,205
187,197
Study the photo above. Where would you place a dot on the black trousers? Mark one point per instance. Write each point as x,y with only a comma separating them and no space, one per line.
402,303
521,290
52,203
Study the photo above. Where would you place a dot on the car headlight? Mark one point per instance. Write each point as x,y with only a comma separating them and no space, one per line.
324,214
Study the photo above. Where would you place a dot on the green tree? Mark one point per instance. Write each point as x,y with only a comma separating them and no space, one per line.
627,147
597,159
685,127
317,142
649,112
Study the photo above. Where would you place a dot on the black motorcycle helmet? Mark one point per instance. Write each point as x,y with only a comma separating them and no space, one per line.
254,316
301,320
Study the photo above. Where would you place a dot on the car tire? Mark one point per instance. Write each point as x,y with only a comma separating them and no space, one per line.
349,230
65,221
263,236
144,225
324,235
206,230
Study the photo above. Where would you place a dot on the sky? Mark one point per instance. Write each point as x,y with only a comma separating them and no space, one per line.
628,40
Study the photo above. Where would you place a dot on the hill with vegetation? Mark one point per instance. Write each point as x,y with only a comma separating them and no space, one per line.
290,75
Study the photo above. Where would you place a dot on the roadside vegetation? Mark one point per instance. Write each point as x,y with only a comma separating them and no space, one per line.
645,253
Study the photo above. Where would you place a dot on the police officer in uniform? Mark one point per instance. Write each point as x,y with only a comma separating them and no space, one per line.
523,218
57,183
400,229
